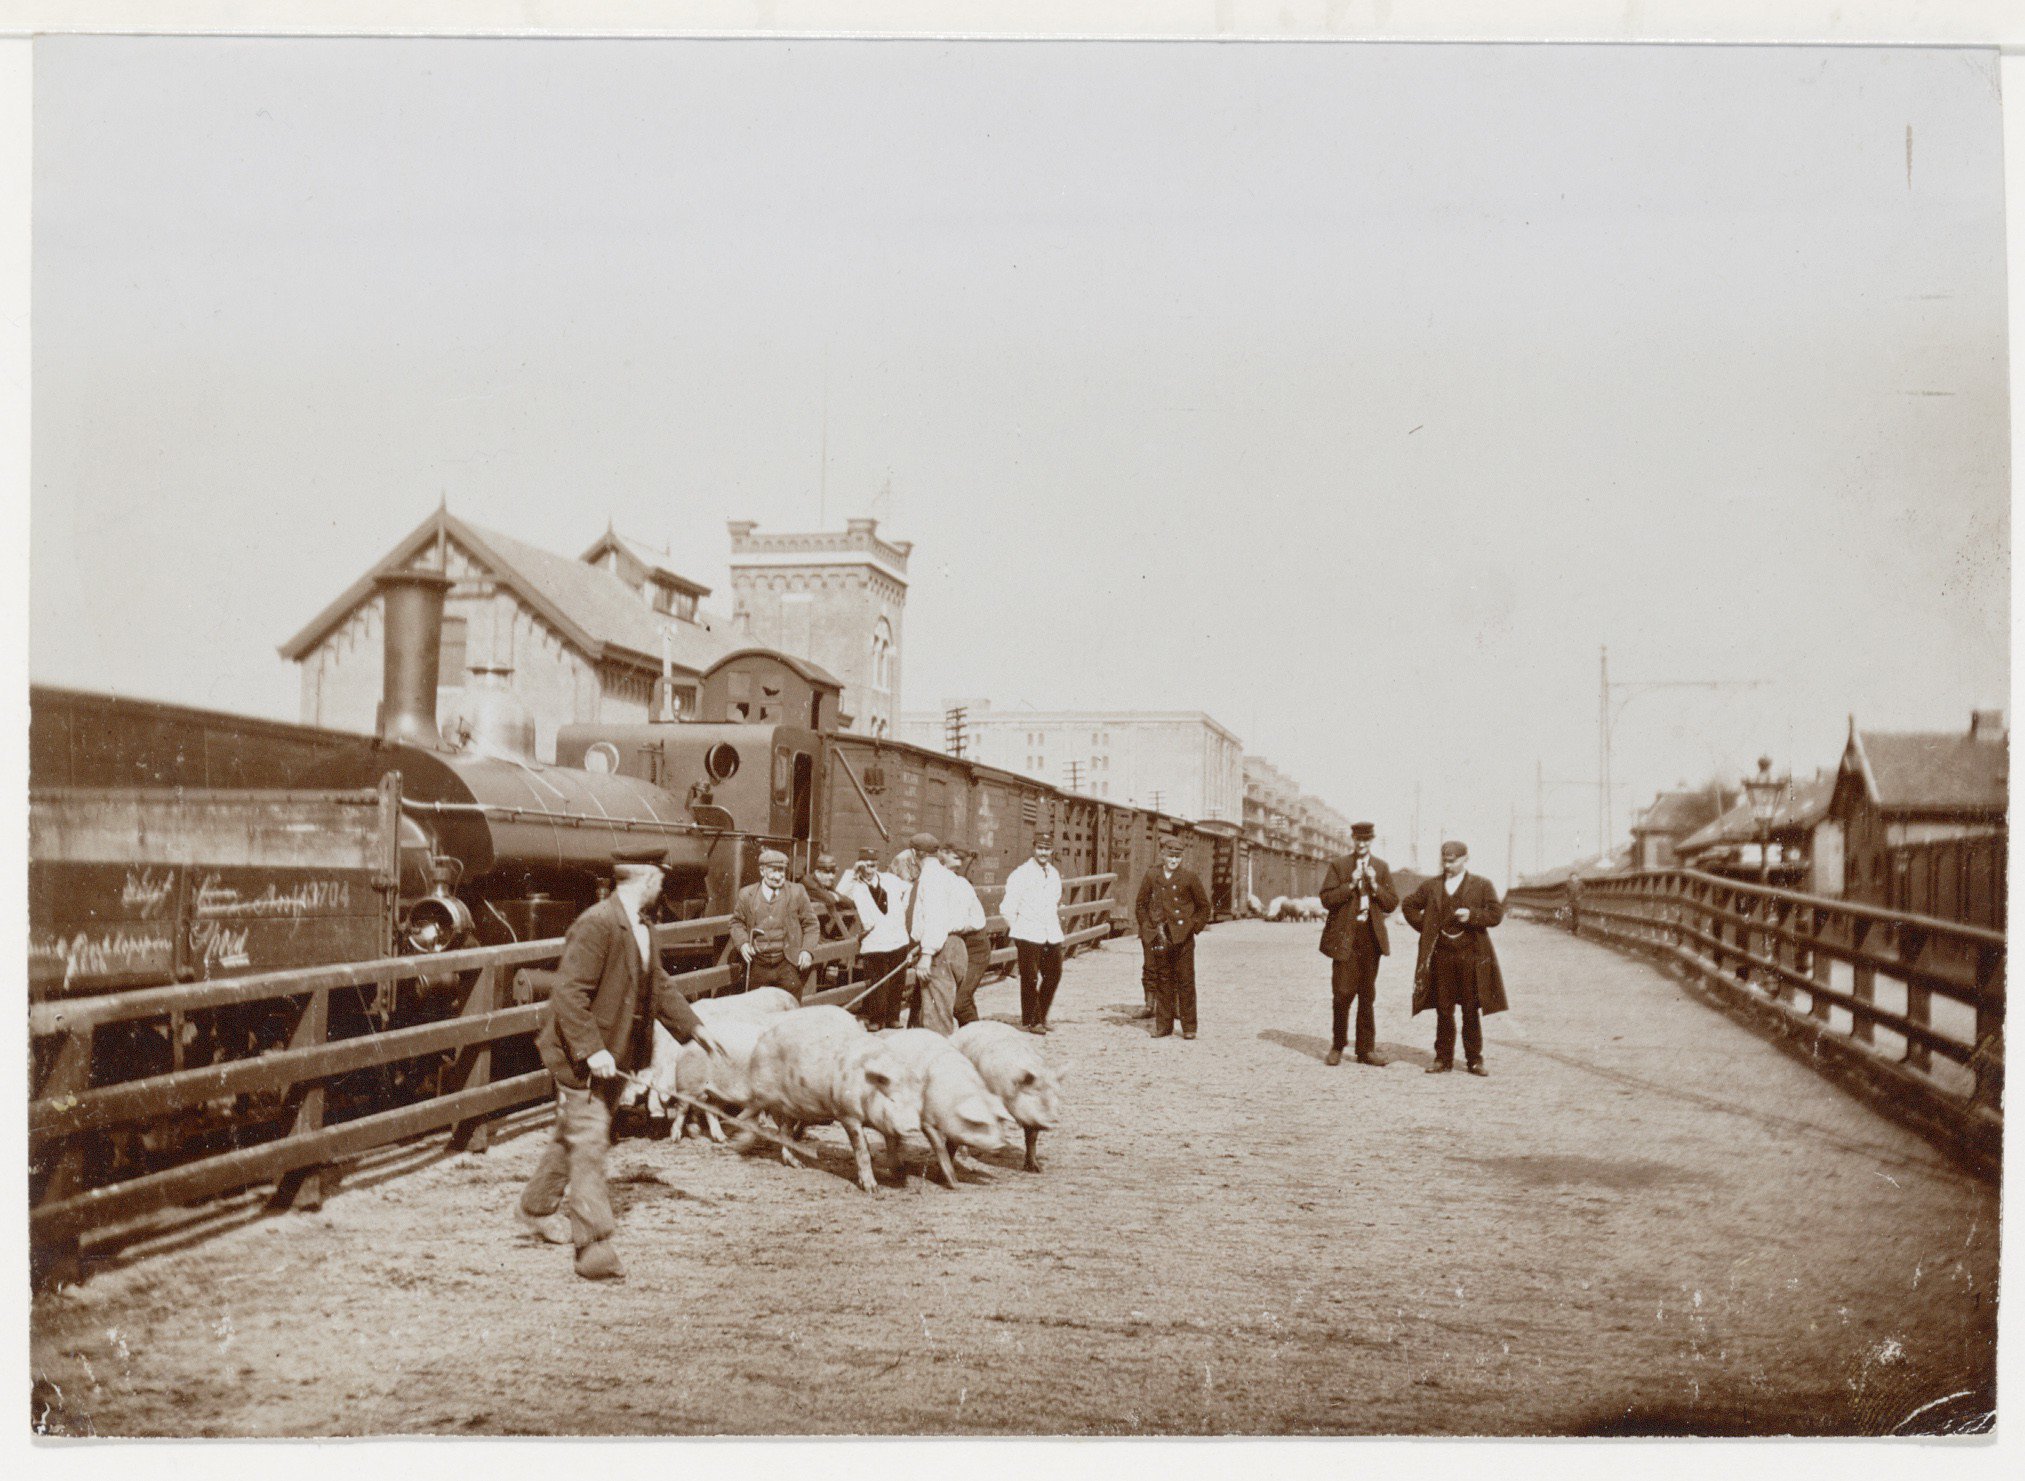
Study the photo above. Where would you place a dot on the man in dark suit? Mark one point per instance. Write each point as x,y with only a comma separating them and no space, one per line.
774,928
1358,894
1458,967
595,1030
1172,908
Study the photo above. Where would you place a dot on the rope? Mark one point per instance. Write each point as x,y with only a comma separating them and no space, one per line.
865,993
722,1115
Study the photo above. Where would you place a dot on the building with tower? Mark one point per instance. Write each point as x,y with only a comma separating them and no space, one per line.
835,598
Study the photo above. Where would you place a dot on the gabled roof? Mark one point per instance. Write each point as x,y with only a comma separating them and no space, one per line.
1677,813
1911,771
596,611
1802,805
647,559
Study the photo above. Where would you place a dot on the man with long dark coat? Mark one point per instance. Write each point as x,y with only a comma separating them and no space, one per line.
1358,894
1458,967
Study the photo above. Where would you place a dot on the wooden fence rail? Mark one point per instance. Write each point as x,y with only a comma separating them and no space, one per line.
484,999
1906,1009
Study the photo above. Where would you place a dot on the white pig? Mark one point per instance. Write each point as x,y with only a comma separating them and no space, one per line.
955,1105
819,1064
717,1075
757,1003
1010,1064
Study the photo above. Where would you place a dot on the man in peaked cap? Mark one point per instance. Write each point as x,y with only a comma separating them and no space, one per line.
773,927
594,1031
1358,894
1032,907
1458,967
880,899
1172,909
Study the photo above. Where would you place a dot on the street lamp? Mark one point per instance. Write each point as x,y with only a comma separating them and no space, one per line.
1764,790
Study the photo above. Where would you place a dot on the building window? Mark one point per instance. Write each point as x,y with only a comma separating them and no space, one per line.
450,672
882,655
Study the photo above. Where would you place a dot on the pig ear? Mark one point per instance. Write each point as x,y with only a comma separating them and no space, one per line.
879,1079
1027,1077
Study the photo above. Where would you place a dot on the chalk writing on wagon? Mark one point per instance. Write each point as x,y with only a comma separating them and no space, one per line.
216,900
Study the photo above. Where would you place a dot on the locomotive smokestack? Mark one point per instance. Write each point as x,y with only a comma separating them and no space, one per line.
413,606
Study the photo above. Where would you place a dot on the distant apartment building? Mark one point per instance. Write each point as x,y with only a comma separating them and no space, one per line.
1324,831
1181,762
1272,805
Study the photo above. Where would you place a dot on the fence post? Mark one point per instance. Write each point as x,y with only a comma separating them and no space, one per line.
1911,944
474,1063
304,1187
56,1261
1988,1059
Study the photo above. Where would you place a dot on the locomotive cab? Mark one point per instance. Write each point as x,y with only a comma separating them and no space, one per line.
761,780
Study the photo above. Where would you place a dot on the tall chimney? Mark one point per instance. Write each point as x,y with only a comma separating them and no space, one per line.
412,603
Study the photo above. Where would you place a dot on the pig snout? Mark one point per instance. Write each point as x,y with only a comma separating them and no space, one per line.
975,1123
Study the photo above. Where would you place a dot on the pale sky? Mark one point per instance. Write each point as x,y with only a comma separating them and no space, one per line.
1354,395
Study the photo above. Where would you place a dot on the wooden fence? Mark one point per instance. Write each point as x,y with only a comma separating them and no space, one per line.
1907,1010
485,999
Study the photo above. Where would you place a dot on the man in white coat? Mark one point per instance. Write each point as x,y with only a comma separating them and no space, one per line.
1032,908
881,902
938,908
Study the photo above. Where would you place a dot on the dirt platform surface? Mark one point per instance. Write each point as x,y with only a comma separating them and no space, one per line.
1646,1220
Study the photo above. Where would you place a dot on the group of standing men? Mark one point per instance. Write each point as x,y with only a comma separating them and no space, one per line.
1456,972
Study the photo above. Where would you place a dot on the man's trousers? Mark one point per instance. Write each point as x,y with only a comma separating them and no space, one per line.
937,1008
571,1173
1171,972
782,973
1355,980
977,957
1040,975
882,1008
1455,986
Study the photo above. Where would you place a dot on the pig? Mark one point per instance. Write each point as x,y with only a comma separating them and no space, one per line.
955,1106
757,1003
1010,1064
819,1064
715,1075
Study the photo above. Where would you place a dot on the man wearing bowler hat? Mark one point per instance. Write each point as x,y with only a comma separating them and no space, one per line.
1358,893
1458,967
594,1031
1172,909
773,927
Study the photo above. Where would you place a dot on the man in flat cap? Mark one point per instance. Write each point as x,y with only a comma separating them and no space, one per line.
1172,909
881,902
936,911
1458,967
1032,907
773,927
832,908
970,928
595,1029
1358,894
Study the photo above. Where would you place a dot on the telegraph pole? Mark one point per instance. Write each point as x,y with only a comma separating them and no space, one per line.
1075,776
1416,827
953,737
1628,690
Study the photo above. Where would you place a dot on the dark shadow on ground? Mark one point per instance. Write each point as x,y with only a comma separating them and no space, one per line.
1314,1046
